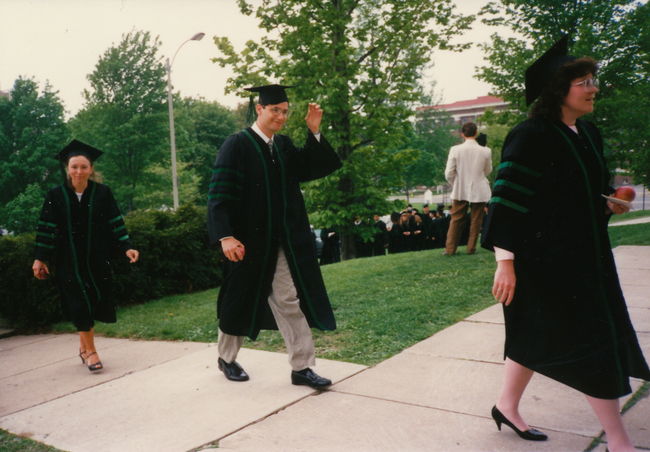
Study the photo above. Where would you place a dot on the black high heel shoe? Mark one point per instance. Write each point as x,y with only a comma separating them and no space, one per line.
531,434
82,356
94,367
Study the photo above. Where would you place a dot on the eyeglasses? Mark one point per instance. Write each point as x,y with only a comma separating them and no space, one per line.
278,111
588,83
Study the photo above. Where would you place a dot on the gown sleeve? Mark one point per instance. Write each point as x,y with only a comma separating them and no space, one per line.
513,193
314,160
224,191
120,235
47,229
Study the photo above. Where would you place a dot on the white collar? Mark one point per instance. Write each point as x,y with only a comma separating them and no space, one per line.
258,131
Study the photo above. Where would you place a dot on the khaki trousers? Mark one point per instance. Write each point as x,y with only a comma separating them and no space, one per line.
458,211
291,321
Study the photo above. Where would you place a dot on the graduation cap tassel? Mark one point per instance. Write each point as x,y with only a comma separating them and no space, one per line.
250,112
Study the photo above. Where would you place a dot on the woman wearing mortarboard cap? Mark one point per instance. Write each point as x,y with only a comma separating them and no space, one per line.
79,228
564,311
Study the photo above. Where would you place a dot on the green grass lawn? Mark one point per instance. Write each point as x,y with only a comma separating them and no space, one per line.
630,216
382,305
14,443
632,234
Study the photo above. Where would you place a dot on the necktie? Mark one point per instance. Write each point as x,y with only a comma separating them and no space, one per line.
270,143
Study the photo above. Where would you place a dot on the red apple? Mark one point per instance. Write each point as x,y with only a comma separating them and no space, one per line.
625,193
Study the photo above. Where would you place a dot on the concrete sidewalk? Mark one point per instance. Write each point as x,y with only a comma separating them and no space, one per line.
169,396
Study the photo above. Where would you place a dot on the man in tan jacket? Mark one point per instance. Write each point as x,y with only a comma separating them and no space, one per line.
467,167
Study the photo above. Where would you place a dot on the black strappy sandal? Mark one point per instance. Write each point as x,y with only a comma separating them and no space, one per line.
82,356
94,367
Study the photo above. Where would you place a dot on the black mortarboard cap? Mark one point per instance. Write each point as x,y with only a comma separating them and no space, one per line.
76,147
270,94
544,68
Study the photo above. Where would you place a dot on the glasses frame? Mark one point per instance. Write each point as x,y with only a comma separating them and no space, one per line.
588,83
278,111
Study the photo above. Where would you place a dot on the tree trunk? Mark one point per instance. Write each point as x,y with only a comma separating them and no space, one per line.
348,250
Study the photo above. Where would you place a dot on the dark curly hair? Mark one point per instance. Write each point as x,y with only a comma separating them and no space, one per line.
549,103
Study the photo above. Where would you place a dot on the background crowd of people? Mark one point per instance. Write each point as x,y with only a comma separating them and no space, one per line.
399,232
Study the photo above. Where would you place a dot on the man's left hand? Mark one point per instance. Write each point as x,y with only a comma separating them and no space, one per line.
314,117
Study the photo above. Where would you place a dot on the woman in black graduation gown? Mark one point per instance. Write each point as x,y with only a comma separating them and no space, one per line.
564,311
394,234
79,229
405,230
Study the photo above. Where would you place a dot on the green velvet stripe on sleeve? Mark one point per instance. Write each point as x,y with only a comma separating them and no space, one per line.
508,203
519,167
226,184
45,234
118,228
514,186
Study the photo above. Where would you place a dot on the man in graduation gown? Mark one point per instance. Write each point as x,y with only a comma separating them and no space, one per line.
427,227
271,277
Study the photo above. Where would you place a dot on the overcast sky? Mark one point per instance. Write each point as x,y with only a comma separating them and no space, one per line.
62,40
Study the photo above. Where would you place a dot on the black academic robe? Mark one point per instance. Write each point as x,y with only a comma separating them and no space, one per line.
331,252
405,242
80,238
395,239
440,227
417,233
427,231
380,239
568,319
246,178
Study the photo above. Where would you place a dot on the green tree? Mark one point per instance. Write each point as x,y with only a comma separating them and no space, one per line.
362,61
201,129
125,113
432,136
32,131
616,33
155,190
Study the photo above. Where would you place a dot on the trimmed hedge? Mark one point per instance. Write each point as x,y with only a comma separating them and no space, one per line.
174,258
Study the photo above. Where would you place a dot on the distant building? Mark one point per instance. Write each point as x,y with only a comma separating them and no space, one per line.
469,110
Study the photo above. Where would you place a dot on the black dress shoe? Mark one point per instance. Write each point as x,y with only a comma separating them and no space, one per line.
308,377
531,434
233,371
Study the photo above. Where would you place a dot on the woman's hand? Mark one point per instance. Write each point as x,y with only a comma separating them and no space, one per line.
505,281
617,208
233,249
133,255
40,269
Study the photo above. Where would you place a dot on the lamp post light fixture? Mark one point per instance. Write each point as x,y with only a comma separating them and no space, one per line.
170,104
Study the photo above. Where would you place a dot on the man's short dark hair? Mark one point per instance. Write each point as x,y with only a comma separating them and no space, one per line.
469,129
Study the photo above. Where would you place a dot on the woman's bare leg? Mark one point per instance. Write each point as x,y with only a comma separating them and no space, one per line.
609,414
515,380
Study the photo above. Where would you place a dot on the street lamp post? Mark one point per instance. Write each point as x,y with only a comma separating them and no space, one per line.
170,104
